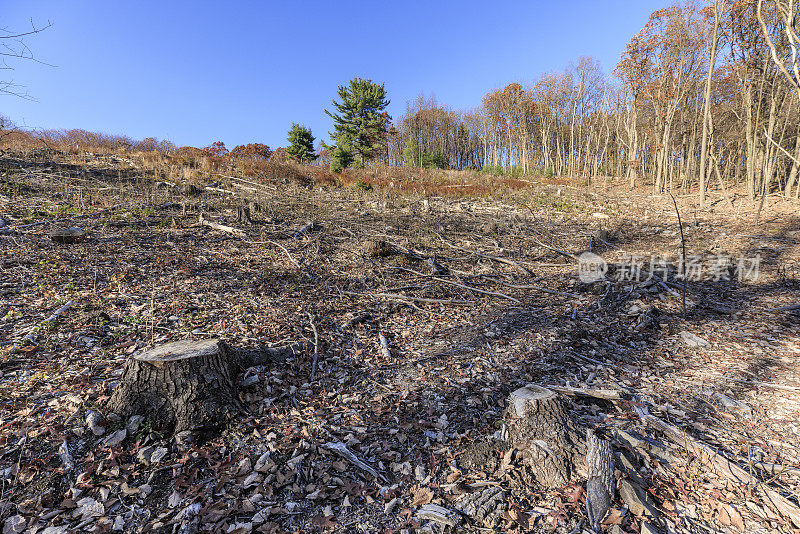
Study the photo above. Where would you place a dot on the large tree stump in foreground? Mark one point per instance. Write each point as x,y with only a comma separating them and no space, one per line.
188,385
542,429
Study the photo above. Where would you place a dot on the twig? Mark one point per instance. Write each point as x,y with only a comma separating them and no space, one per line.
604,394
288,255
683,247
316,346
218,190
470,288
759,383
487,256
404,298
50,319
63,219
554,249
537,288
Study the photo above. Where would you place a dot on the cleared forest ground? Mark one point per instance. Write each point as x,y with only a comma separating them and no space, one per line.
476,297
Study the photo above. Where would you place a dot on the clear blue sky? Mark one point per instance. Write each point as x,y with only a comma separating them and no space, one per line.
243,71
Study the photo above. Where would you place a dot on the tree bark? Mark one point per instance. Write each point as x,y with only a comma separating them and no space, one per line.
600,484
542,429
188,385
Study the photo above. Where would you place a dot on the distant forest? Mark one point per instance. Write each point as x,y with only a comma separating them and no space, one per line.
706,95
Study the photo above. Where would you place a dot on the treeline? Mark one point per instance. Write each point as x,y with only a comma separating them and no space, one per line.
698,97
707,94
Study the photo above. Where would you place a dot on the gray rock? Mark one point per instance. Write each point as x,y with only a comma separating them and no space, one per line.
134,422
14,524
94,422
158,455
145,453
692,340
647,528
114,439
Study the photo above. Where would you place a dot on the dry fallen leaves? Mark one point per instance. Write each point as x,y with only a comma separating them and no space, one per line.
422,495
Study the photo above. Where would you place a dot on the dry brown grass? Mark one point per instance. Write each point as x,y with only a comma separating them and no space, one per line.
163,161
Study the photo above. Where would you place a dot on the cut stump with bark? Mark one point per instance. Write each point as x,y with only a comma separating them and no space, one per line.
67,235
243,215
549,440
376,248
188,385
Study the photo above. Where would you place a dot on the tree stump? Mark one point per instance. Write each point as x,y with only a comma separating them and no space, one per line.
376,248
542,429
67,236
188,385
243,215
254,207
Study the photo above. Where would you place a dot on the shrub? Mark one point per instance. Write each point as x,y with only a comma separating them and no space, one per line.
363,185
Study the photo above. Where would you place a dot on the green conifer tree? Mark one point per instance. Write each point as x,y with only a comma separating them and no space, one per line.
301,144
359,124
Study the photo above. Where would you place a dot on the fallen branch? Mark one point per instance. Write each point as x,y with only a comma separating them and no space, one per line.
309,227
487,256
316,346
63,219
288,255
759,383
554,249
218,190
683,246
222,228
536,288
777,469
384,346
342,450
719,463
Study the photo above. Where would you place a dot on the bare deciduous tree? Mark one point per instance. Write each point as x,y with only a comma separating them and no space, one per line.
13,47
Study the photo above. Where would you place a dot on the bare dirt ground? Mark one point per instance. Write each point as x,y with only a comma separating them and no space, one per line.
475,298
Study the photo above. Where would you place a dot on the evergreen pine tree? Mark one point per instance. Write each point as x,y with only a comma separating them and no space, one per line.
359,125
301,143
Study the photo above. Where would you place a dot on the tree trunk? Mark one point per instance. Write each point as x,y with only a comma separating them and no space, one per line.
542,429
707,102
243,215
188,385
